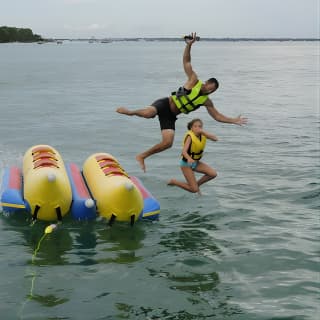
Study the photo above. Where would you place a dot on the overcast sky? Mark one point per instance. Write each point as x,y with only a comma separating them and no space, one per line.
164,18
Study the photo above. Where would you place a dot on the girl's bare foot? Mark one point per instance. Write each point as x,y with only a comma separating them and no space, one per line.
171,182
140,160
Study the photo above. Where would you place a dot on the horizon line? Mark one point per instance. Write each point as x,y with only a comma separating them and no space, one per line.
181,38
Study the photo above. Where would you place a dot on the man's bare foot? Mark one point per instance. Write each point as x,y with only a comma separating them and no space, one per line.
140,160
124,110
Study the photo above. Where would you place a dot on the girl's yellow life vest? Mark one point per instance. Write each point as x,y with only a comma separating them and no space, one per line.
189,102
197,145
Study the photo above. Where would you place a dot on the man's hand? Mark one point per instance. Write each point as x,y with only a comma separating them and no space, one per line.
240,120
194,38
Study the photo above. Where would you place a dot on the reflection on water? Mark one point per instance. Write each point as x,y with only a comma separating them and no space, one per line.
85,242
53,248
75,244
46,251
49,300
119,243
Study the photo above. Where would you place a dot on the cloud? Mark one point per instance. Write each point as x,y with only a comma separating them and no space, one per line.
93,26
79,1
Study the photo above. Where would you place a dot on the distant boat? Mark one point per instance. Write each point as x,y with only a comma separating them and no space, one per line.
105,41
59,42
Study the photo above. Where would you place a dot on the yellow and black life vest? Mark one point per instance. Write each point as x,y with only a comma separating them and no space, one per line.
197,145
187,102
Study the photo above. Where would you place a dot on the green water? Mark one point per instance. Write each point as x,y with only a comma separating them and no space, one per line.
247,249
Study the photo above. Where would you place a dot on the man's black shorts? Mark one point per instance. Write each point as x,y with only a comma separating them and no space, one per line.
167,119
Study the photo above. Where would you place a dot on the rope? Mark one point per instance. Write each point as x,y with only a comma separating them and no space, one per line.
47,230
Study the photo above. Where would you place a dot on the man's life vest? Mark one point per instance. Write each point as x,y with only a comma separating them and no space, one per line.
187,102
197,145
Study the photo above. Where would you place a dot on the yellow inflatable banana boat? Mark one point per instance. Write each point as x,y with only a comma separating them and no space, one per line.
46,186
117,197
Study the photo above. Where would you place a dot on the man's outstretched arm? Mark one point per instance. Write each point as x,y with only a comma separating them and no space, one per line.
216,115
192,76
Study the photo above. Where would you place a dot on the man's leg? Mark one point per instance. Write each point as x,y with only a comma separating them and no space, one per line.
147,112
166,143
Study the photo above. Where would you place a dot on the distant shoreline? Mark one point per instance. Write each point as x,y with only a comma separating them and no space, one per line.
14,34
181,39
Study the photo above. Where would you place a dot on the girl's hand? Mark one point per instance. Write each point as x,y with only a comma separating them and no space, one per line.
209,135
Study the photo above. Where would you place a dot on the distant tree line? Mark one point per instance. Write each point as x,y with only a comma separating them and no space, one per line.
12,34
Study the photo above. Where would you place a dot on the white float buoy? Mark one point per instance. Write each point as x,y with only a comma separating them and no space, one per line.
89,203
128,186
51,177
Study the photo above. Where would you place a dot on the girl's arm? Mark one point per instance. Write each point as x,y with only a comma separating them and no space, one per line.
210,136
185,149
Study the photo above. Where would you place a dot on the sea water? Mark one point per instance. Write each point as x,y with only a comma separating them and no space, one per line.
248,248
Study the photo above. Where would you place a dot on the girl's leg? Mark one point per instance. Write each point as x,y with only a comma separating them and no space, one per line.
191,185
209,173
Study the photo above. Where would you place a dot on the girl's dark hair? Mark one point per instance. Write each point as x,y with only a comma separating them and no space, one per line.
215,81
190,124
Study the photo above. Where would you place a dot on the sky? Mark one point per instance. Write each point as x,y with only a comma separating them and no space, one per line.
164,18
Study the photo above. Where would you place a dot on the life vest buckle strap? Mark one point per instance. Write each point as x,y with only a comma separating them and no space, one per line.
182,93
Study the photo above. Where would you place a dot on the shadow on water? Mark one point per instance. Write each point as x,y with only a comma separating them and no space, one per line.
191,232
189,240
